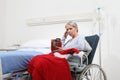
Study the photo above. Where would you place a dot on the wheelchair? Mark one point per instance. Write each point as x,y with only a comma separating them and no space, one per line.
82,68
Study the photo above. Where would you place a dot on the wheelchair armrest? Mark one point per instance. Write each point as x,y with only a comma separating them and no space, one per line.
83,58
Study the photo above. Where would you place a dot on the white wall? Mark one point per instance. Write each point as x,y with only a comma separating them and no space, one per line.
19,11
2,21
13,28
111,38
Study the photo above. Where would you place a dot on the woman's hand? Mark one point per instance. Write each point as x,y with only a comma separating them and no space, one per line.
59,49
65,34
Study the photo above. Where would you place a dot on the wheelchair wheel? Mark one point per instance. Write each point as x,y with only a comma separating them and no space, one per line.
92,72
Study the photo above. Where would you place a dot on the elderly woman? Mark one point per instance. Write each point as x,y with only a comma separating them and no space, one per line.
54,66
76,41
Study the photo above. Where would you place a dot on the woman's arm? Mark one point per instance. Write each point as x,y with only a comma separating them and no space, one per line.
87,48
64,38
83,45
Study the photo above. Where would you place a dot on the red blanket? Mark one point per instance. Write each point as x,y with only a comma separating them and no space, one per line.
49,67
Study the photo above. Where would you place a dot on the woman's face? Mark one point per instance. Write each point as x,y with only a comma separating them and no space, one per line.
72,31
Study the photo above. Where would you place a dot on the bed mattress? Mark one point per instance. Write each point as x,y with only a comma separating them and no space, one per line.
16,60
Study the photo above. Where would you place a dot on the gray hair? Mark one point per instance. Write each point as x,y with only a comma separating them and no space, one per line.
73,24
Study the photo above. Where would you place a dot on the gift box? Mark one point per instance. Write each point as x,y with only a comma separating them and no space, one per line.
55,43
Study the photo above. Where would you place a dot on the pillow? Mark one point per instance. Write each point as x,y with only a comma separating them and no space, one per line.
41,50
37,44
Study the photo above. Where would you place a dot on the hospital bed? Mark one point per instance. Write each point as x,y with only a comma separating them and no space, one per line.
16,62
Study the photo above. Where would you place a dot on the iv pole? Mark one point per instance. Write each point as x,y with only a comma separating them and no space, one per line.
99,30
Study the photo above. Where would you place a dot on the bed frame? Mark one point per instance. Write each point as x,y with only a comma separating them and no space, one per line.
83,17
2,76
